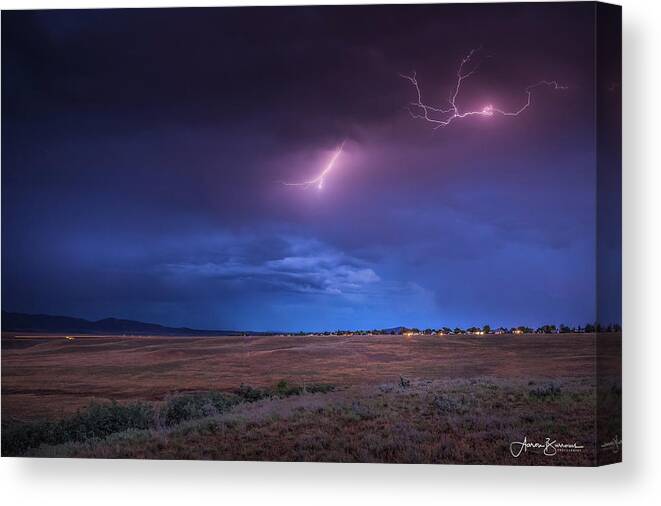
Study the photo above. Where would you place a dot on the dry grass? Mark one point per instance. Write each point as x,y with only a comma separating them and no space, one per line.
468,397
53,376
469,422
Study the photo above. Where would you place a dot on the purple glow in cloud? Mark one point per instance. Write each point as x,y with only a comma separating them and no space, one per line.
443,117
319,180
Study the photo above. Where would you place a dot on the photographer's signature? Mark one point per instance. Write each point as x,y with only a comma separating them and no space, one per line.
549,447
614,444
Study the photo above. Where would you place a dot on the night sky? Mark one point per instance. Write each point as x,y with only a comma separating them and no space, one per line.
144,153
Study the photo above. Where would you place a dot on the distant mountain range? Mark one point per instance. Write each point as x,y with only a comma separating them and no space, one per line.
20,322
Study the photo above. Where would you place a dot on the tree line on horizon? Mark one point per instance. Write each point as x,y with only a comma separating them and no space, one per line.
485,329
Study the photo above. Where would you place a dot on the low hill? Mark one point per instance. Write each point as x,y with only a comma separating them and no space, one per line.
21,322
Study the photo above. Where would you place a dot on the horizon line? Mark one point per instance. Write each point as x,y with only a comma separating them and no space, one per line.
413,328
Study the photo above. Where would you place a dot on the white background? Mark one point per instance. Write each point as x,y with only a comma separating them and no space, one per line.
636,481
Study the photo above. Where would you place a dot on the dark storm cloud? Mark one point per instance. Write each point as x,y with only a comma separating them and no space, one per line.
144,151
305,267
334,67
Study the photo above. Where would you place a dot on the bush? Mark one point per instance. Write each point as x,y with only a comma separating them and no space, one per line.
282,389
100,420
97,421
182,407
445,404
547,391
286,389
318,388
250,394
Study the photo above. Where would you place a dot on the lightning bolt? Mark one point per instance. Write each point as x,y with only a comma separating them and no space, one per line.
319,180
441,117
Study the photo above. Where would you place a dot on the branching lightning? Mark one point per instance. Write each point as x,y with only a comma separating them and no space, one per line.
319,180
441,117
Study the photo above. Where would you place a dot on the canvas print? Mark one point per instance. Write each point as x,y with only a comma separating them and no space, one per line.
378,234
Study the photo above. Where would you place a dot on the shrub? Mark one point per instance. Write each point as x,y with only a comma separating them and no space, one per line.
285,389
97,421
547,391
445,404
182,407
318,388
100,420
250,394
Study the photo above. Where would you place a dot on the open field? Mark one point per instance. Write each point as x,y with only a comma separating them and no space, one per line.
394,398
51,375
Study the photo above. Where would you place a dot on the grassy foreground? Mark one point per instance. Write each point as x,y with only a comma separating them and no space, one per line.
433,421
